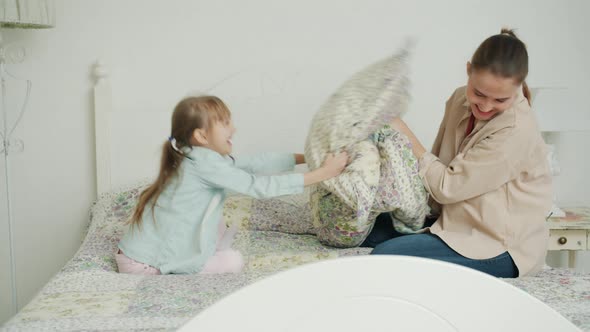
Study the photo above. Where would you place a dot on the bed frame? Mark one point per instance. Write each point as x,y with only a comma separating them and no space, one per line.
102,112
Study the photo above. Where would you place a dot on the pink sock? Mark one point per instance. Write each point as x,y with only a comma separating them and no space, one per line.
224,261
226,238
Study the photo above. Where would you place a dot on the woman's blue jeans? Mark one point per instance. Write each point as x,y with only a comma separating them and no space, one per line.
387,241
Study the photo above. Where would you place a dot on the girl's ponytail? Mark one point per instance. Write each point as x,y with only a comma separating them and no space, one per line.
169,164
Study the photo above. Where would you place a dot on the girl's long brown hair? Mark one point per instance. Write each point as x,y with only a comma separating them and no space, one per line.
189,114
505,55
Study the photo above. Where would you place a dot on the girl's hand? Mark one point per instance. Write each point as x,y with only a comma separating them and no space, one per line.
335,164
299,158
332,166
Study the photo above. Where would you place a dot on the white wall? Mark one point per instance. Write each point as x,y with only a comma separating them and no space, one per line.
283,59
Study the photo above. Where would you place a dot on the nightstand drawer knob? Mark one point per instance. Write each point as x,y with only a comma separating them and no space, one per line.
562,240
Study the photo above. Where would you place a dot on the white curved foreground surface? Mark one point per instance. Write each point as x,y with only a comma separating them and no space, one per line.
377,293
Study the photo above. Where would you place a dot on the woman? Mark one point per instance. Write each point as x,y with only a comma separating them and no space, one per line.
487,175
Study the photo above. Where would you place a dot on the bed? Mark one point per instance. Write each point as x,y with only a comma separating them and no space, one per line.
275,235
88,293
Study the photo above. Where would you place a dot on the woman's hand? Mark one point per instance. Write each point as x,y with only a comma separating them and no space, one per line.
399,125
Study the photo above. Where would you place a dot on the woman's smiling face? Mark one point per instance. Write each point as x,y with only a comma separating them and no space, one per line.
489,94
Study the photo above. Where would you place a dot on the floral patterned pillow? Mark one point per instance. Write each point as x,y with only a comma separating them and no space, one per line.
383,174
359,108
287,214
399,191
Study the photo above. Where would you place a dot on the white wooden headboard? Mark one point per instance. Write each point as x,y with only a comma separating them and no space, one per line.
272,108
127,138
102,111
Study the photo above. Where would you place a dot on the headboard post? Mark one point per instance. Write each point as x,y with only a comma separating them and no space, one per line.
102,110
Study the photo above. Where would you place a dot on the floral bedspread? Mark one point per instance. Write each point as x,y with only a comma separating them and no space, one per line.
275,234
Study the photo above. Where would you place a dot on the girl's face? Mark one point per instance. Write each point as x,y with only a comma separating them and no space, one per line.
220,137
489,94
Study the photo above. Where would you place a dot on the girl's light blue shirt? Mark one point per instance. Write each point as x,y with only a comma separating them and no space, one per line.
183,235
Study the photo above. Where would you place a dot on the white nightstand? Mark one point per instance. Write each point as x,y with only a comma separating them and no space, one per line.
570,233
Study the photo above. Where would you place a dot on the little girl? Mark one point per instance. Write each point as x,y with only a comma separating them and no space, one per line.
177,226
